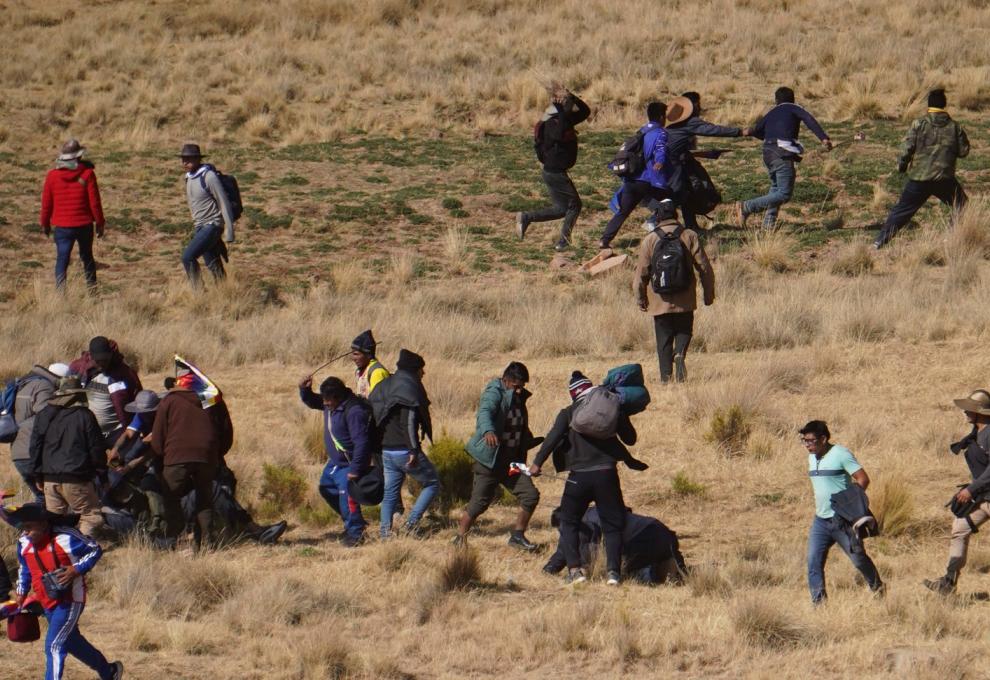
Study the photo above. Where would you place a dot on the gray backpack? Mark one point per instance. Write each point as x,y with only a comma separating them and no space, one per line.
596,413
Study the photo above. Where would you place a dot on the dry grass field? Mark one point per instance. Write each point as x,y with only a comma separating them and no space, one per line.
383,149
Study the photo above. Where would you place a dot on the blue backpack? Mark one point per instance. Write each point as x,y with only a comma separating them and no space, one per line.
8,425
628,382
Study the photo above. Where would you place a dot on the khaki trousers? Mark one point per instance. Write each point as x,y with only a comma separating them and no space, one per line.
961,531
79,498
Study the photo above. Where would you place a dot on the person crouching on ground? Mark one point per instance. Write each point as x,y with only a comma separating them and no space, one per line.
593,476
666,287
832,468
502,437
47,547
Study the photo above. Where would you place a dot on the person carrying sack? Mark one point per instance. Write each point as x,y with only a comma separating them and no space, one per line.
591,460
54,560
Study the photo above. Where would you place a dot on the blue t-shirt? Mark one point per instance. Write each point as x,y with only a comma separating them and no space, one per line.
141,424
831,474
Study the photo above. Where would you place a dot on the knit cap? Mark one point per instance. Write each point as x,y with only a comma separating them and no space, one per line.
579,384
365,343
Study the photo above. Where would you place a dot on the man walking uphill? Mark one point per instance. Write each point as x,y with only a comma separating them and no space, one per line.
502,437
666,287
70,201
213,217
832,468
556,148
781,150
928,156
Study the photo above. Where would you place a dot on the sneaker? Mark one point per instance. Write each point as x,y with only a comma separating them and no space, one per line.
877,245
740,215
880,592
522,224
575,576
272,533
680,370
942,586
519,540
118,670
612,579
561,246
605,251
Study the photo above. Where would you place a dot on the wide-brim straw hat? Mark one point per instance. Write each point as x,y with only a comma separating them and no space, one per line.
145,401
69,385
679,110
977,402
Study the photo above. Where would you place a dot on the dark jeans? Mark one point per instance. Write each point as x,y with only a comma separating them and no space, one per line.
205,243
24,469
180,479
486,483
566,204
632,194
602,487
64,238
782,174
688,217
673,333
823,535
915,195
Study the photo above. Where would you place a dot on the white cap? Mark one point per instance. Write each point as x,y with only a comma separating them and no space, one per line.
59,369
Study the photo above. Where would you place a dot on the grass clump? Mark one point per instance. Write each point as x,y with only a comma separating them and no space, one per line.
283,488
762,624
729,429
893,505
460,571
855,261
772,250
682,485
455,470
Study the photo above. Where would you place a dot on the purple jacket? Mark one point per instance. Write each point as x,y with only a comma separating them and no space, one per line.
654,151
348,430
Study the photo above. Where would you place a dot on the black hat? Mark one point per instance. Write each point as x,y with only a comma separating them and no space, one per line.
17,515
190,151
365,343
100,348
369,489
409,361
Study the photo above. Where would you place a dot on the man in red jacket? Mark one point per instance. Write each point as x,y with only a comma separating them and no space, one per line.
70,201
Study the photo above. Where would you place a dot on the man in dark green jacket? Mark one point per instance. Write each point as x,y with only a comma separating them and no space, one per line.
928,156
501,437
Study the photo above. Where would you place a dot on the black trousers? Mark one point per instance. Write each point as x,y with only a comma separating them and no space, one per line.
682,198
602,487
566,204
915,195
673,333
5,585
632,195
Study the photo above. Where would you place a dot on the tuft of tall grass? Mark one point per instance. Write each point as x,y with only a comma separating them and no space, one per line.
892,504
763,624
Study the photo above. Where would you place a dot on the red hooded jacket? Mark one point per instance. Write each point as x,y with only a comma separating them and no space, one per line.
71,198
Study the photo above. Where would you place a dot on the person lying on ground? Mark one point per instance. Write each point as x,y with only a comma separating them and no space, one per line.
650,550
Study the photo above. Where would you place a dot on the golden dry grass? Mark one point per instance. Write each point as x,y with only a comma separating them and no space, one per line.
303,70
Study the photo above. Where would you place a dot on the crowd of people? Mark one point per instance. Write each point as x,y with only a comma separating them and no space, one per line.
104,458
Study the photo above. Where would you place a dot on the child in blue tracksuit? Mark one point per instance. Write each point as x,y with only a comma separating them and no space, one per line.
47,547
348,434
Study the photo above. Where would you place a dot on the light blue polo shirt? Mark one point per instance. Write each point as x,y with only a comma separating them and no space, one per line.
831,474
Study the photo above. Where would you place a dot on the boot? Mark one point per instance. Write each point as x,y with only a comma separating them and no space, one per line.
680,370
943,586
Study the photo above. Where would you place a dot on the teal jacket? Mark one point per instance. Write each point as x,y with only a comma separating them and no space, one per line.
492,411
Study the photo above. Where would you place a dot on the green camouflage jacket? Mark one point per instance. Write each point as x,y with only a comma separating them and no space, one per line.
932,146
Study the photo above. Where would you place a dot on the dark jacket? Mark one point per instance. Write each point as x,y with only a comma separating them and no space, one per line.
493,407
32,397
932,146
976,447
782,123
67,444
349,433
682,138
573,451
852,510
402,411
634,552
559,149
185,432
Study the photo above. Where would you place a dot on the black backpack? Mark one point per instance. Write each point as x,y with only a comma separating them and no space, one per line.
670,264
230,189
702,194
628,162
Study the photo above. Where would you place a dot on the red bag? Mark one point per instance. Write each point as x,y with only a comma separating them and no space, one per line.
23,627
